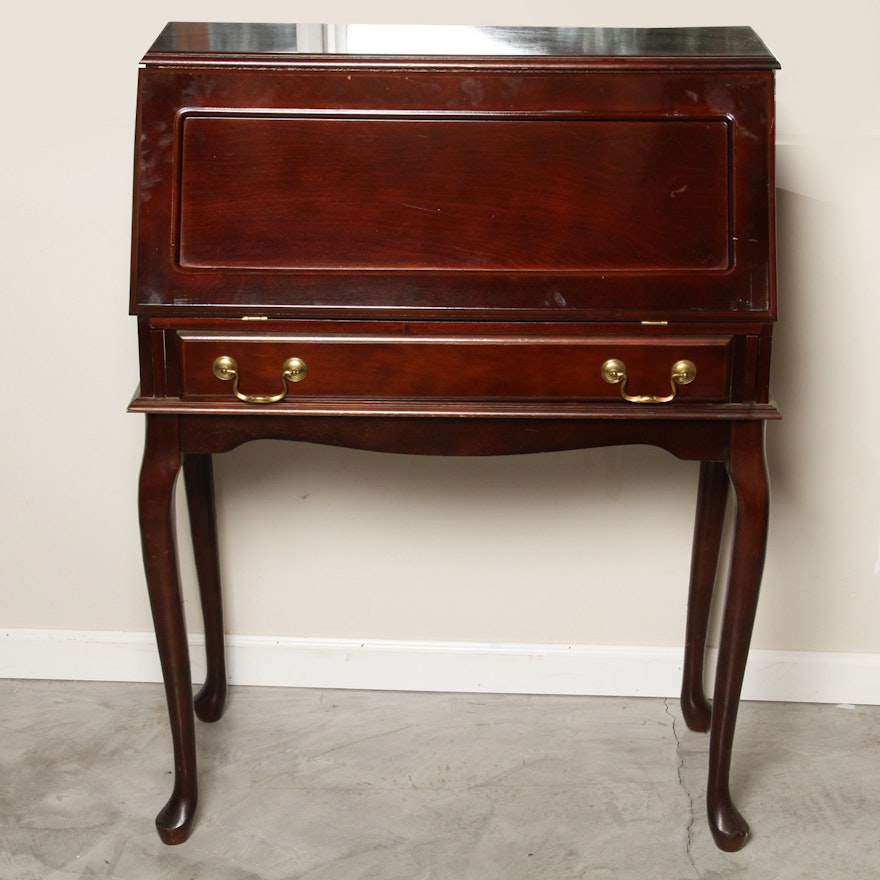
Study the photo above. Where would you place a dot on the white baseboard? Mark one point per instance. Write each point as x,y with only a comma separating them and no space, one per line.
786,676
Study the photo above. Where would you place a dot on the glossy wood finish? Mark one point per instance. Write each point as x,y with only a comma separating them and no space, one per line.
435,203
398,45
455,240
654,190
161,464
748,478
198,475
708,532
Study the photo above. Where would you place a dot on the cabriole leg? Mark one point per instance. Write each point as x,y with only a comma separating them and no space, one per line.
748,477
708,530
159,470
199,481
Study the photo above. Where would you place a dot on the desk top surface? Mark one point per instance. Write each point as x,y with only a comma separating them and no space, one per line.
728,46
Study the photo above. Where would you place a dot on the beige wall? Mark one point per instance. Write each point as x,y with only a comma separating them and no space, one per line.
574,548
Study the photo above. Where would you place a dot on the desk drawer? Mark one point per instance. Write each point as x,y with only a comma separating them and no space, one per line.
266,368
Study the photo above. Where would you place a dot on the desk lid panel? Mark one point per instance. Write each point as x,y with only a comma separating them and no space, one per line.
537,187
503,195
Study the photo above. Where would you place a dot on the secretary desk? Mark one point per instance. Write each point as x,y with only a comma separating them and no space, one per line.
455,241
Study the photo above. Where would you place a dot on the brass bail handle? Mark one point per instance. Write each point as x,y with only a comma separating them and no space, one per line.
614,372
292,370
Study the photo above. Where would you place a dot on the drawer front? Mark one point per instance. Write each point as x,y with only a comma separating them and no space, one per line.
263,369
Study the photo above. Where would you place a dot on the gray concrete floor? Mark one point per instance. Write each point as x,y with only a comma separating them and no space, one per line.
349,785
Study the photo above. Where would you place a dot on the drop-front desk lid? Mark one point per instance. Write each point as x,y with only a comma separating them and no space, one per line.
419,171
727,44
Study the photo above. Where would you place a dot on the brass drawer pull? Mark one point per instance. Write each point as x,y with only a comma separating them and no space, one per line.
292,370
682,373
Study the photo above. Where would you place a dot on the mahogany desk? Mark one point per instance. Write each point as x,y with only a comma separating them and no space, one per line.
455,241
